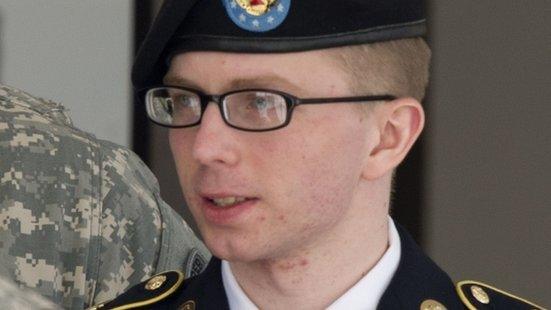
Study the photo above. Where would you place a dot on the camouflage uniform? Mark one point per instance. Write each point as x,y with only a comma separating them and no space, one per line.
13,297
81,219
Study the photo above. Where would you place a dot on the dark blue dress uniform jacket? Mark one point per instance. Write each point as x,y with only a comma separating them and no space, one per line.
417,284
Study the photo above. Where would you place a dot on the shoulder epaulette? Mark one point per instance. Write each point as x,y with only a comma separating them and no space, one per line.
477,295
146,293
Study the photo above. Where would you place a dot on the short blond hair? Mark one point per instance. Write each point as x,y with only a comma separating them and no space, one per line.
399,67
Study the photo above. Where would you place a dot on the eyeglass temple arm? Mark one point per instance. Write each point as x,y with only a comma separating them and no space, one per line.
344,99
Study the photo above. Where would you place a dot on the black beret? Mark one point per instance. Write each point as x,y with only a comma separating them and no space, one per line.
270,26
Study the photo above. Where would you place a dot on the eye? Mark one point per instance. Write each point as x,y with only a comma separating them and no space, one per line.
181,100
260,102
255,109
173,106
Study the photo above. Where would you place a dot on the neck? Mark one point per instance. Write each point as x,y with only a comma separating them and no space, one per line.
318,274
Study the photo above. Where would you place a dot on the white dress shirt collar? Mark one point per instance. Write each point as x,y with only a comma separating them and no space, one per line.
365,294
237,299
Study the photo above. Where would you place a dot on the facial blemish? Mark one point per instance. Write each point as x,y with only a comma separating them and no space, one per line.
289,265
286,266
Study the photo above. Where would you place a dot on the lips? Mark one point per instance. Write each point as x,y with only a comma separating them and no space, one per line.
228,201
223,209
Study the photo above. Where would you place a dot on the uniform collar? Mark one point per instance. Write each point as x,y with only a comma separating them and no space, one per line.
236,296
417,279
365,294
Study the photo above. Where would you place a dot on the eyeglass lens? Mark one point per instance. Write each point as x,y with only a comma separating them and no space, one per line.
247,109
255,109
173,106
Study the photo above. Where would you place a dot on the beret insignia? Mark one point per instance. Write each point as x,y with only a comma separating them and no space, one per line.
257,15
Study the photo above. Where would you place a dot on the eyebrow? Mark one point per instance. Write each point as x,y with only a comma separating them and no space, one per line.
180,81
262,81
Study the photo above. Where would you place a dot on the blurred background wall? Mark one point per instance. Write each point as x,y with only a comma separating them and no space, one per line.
75,52
488,143
476,190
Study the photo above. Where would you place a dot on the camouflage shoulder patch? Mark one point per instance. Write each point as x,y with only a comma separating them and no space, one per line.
146,293
478,295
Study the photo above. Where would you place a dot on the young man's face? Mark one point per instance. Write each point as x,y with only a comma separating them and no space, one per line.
299,181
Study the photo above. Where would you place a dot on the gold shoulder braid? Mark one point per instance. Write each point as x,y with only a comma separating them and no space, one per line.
146,293
477,295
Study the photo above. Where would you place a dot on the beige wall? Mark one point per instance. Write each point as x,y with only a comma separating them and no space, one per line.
489,143
75,52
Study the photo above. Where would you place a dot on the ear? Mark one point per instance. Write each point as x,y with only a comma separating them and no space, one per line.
399,124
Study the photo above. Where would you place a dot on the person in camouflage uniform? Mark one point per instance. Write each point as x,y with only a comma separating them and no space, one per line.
13,297
81,219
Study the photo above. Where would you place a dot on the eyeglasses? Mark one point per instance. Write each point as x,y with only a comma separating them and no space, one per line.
249,109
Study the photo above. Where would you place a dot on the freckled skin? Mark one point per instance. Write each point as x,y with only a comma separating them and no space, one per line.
305,174
321,184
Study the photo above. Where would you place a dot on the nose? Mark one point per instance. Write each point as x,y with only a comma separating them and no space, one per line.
215,143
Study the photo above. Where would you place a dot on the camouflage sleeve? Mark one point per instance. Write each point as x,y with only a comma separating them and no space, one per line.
138,227
81,219
13,297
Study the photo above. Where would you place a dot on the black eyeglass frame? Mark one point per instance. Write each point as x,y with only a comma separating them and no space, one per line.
290,100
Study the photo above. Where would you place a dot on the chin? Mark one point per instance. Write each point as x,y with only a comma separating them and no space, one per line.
234,255
223,246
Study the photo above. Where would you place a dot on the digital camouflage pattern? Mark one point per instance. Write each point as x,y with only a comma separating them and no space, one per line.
13,297
81,219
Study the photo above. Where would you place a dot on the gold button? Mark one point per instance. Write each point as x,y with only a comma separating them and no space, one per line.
188,305
431,304
155,282
479,294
